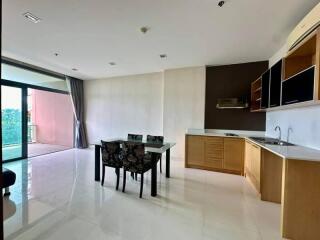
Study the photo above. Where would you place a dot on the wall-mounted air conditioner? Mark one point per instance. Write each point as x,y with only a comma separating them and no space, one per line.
305,27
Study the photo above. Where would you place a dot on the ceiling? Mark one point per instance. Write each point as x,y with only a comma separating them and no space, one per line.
88,35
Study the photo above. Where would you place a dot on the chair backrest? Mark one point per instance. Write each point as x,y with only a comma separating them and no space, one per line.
111,154
133,156
154,139
135,137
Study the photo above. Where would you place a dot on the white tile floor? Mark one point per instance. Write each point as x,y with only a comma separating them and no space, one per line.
56,197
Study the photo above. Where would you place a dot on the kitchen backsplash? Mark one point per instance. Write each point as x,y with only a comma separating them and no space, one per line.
304,122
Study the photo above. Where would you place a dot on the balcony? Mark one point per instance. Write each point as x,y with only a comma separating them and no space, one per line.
13,149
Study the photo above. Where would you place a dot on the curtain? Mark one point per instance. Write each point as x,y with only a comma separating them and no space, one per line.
77,97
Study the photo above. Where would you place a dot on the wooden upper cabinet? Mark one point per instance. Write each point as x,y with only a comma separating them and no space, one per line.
265,89
293,80
195,151
233,154
275,84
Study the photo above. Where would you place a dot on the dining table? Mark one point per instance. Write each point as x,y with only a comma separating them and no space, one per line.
153,148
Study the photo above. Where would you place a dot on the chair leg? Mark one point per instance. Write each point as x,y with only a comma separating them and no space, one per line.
136,176
118,177
132,175
160,164
124,180
141,186
6,192
103,173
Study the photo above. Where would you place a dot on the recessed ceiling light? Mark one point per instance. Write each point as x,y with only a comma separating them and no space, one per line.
221,3
74,69
163,55
144,29
31,17
112,63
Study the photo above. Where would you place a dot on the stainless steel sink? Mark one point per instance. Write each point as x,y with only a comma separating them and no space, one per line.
271,141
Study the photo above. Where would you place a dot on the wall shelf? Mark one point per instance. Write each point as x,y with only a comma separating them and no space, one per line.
256,88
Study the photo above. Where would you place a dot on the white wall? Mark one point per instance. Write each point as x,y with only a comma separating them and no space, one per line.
165,104
184,102
121,105
305,122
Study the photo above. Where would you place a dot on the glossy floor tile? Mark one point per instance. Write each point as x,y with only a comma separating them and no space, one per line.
56,197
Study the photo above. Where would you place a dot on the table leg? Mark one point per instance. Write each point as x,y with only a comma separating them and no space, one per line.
168,163
97,162
154,176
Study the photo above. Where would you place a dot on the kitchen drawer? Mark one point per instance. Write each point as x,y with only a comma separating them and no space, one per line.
214,146
213,163
215,154
214,140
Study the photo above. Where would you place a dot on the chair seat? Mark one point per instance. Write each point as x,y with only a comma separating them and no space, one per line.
113,162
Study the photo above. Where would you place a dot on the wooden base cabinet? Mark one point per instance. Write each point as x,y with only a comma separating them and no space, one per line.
253,163
301,200
195,150
234,154
271,176
223,154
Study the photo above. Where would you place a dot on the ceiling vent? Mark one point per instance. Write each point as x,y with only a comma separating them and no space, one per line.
31,17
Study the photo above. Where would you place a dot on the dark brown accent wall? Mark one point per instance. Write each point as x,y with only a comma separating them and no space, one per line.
229,81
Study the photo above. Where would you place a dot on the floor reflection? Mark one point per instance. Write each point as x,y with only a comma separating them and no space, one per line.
56,197
41,187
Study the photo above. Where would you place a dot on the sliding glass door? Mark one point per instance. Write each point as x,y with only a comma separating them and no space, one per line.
12,122
34,122
37,113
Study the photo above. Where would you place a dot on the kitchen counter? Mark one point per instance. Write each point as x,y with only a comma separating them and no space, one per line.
295,152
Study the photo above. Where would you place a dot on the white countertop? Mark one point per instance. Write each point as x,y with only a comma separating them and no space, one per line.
295,152
222,132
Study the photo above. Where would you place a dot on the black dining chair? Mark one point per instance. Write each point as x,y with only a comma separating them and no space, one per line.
156,140
135,137
111,157
135,160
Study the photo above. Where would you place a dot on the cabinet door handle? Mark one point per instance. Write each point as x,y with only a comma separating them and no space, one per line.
293,101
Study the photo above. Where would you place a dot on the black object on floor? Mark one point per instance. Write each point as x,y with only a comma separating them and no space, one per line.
8,179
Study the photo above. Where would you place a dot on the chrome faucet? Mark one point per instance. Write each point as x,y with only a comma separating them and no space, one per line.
276,128
288,133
